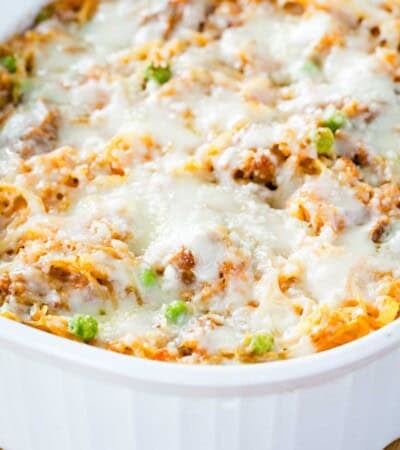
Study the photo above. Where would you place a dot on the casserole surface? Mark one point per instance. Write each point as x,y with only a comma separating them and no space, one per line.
212,182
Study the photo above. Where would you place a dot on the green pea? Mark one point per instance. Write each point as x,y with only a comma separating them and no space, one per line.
83,326
9,62
160,74
45,14
176,311
324,140
259,343
310,68
335,121
148,278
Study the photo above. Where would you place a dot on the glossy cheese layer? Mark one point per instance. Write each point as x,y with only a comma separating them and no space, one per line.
212,181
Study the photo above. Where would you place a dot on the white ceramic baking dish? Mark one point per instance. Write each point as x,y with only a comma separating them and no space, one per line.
60,395
57,394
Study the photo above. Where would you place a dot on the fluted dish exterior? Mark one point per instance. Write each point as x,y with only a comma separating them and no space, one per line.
57,394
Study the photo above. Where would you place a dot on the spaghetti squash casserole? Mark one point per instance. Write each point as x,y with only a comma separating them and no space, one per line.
202,181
